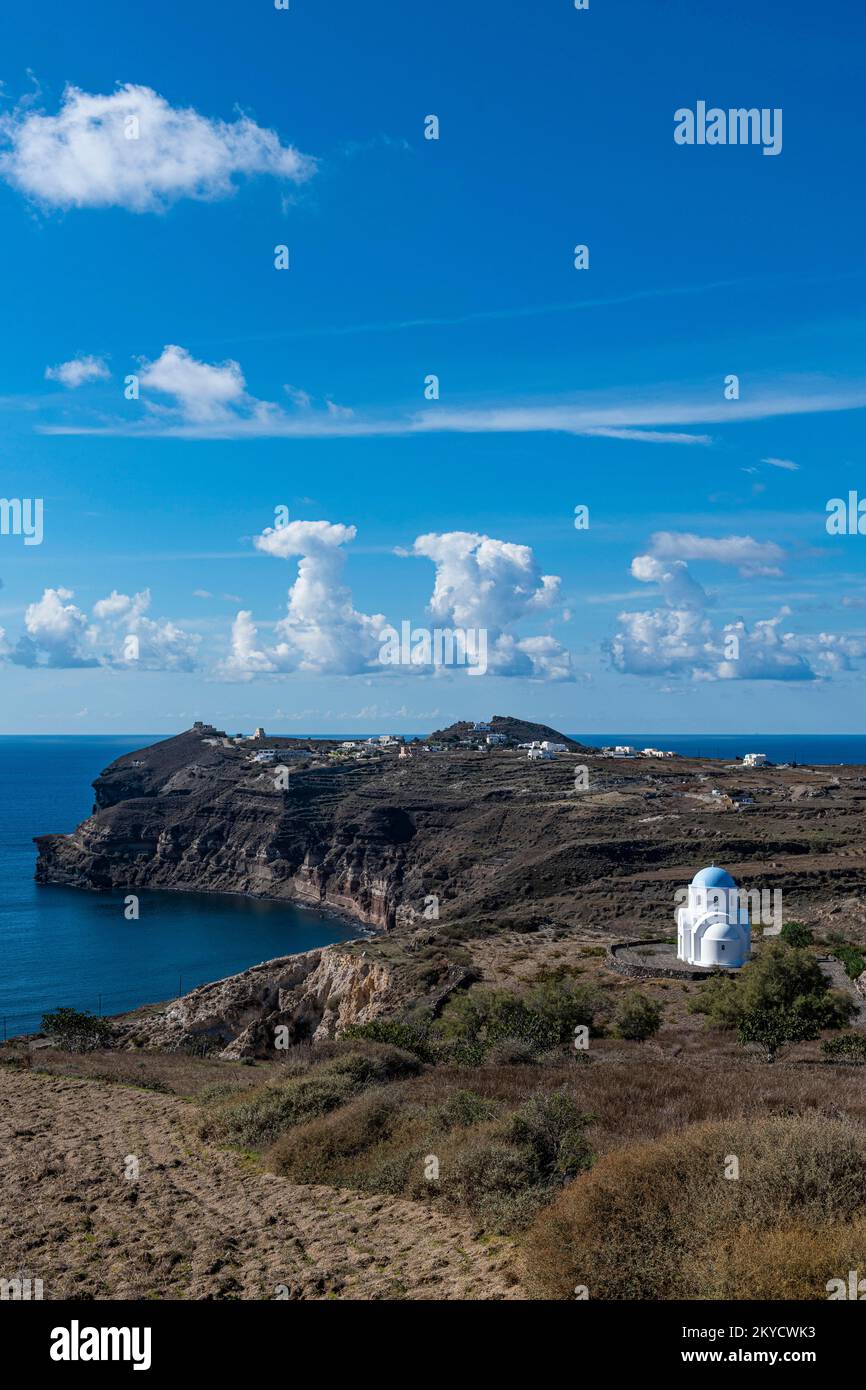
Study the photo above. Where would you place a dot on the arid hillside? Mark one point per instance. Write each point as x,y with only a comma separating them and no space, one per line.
108,1193
493,838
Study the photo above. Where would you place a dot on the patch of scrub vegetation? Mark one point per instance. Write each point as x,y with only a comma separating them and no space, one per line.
499,1026
474,1024
463,1151
781,996
847,1047
77,1030
665,1220
851,957
309,1086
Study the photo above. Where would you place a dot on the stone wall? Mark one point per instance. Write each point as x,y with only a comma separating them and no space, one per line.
636,970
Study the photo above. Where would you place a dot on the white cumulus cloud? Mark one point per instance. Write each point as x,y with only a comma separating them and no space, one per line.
489,584
132,149
202,391
118,633
77,371
321,633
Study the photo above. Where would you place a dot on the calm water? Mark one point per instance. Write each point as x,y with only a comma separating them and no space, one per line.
63,946
779,748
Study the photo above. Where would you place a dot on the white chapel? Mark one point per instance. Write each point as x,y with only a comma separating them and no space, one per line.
713,929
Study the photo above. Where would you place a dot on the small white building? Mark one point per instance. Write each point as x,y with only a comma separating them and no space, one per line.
266,755
494,740
535,753
754,760
481,727
554,747
713,929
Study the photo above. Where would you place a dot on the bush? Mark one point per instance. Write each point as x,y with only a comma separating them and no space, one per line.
77,1030
772,1028
505,1173
499,1168
852,959
637,1017
651,1221
784,986
471,1024
259,1115
326,1149
511,1052
411,1037
847,1047
796,934
564,1005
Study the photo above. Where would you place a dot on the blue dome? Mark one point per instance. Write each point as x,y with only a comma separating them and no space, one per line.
713,878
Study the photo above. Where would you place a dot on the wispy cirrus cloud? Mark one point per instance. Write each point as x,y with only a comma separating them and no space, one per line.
787,464
192,399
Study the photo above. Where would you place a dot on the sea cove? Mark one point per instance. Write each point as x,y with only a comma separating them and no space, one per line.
62,946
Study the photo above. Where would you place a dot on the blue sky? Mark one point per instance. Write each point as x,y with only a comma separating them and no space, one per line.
304,388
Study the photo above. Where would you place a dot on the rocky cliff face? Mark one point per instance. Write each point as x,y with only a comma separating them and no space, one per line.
198,813
482,838
311,997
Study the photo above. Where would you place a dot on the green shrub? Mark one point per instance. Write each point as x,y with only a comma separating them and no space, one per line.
772,1028
847,1047
503,1174
637,1017
411,1037
77,1030
326,1149
796,934
718,998
501,1168
564,1005
495,1023
781,983
851,958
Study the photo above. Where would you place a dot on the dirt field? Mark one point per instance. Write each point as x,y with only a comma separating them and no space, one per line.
198,1222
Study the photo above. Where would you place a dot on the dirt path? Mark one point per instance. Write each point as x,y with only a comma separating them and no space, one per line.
199,1222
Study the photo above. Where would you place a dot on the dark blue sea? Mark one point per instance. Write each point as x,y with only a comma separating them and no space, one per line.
780,748
64,946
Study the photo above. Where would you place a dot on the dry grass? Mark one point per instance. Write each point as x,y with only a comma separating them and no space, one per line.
170,1072
663,1220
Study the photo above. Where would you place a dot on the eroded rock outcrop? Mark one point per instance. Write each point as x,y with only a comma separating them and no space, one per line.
313,996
